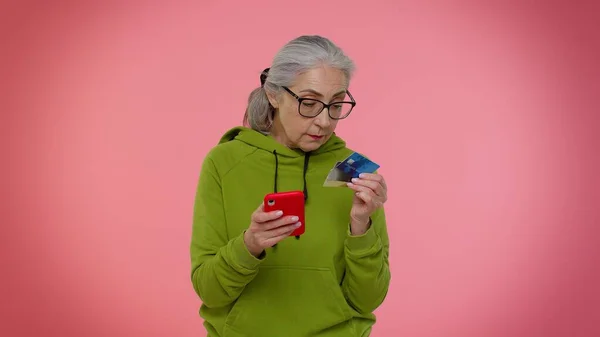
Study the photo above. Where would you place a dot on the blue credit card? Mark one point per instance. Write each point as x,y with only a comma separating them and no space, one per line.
356,164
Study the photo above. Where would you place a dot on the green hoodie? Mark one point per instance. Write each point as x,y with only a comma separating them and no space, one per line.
324,283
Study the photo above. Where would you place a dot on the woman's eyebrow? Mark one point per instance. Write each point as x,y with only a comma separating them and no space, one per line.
316,93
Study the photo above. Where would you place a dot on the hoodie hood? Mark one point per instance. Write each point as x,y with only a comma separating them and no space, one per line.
267,143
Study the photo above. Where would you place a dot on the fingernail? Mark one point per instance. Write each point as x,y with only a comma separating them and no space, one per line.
279,213
294,218
297,224
354,180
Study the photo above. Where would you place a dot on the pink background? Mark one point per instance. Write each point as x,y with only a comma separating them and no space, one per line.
483,115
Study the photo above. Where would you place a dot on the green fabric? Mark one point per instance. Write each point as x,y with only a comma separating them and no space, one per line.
326,283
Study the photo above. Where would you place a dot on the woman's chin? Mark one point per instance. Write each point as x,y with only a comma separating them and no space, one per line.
311,144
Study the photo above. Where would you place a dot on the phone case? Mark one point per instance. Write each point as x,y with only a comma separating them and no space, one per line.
291,203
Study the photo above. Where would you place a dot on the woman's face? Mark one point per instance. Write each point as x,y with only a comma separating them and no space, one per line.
308,134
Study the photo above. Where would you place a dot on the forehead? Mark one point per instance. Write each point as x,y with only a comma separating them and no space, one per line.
325,80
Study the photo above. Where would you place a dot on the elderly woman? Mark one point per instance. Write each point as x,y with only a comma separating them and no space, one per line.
252,276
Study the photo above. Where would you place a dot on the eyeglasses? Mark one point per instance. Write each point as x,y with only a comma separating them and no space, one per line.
310,107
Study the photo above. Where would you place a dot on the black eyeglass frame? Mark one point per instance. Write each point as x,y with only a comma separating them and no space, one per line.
325,105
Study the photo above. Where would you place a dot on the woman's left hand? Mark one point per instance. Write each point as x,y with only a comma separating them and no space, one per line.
371,194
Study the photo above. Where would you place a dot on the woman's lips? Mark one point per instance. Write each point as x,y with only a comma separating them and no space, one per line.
315,137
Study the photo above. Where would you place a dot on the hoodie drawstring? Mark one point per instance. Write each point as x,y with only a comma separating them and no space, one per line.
276,170
304,189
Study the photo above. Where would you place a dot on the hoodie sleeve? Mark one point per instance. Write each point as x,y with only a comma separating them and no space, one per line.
221,266
367,266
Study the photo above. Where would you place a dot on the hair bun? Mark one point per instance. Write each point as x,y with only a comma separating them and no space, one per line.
263,76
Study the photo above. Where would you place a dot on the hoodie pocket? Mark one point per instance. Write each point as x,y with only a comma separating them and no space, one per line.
290,301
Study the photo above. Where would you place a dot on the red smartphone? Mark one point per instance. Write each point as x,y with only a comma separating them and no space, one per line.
291,203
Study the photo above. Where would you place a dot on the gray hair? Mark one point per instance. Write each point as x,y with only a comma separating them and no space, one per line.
297,56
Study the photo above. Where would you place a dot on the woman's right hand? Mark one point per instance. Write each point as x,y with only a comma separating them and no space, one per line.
268,228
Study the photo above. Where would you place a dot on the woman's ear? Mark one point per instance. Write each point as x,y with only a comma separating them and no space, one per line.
272,99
